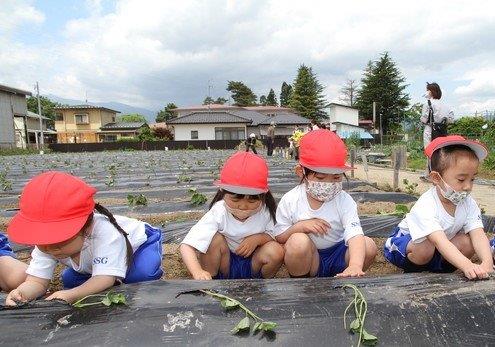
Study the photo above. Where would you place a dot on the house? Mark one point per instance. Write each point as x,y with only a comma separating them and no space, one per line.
82,123
28,132
224,122
112,132
12,104
342,113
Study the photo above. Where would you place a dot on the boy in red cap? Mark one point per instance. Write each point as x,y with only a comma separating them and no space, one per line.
12,271
60,218
234,238
317,221
444,228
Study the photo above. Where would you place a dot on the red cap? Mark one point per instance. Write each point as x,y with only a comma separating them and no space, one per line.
323,151
54,206
244,173
478,148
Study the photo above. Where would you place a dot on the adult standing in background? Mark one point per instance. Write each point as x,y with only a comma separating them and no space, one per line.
270,136
435,116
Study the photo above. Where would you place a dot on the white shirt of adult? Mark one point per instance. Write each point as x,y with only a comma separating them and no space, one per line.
440,112
103,251
340,212
428,215
218,219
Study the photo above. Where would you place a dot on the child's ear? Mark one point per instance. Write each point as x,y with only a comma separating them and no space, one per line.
299,171
435,177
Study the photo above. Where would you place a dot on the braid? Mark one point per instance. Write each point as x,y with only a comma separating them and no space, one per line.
112,220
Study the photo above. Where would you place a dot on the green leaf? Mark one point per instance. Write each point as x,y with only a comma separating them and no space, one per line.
229,304
368,339
267,326
355,325
117,298
256,326
106,301
241,326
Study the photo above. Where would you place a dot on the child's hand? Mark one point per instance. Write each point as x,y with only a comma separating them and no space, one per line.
351,271
315,226
475,271
202,275
488,267
62,295
14,297
247,246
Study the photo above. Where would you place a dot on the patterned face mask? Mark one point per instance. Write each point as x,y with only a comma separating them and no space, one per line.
452,195
242,214
323,191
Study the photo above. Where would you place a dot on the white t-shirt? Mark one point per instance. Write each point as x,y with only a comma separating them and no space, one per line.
218,219
440,112
340,212
103,251
428,215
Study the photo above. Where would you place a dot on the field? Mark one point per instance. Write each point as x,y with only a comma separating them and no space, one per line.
171,190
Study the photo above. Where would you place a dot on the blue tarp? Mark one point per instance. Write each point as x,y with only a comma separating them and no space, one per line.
363,135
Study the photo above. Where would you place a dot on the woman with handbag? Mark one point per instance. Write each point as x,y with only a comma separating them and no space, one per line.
435,116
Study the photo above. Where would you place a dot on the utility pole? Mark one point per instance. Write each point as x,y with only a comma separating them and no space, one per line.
41,143
209,95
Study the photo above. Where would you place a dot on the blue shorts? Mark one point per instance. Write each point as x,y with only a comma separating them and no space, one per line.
239,267
146,263
395,251
492,245
5,248
332,260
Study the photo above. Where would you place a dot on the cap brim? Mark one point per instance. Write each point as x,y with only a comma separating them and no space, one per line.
240,190
27,232
478,148
329,170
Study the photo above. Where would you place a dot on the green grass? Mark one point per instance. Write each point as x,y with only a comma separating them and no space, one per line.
20,151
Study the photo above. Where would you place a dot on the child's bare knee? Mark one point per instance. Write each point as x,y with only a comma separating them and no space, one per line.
218,243
421,253
275,252
298,245
464,245
371,248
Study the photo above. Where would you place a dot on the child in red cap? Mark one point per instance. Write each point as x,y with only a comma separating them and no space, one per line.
233,239
317,221
60,218
12,271
444,228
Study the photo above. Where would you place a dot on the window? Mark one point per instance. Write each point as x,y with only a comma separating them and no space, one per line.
59,117
82,118
109,138
113,119
194,134
230,134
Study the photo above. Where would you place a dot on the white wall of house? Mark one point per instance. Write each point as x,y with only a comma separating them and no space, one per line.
348,128
343,114
205,131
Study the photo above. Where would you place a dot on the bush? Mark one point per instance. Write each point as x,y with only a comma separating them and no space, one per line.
354,140
163,134
21,151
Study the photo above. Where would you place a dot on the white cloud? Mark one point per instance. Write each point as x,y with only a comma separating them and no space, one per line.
15,13
152,53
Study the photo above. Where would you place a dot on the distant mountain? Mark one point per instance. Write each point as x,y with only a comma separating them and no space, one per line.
117,106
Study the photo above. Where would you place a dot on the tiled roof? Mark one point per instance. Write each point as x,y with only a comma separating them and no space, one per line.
286,118
269,108
84,107
216,107
14,90
123,126
209,118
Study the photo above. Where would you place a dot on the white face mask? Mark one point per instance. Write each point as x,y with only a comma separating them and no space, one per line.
242,214
323,191
452,195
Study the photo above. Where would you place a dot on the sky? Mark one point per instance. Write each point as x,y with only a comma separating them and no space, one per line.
149,53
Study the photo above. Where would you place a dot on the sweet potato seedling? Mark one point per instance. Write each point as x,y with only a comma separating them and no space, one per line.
357,325
108,299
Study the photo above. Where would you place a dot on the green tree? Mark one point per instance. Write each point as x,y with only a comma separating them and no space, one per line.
241,94
307,95
220,100
208,101
271,99
166,114
131,118
383,83
47,107
145,134
263,100
285,94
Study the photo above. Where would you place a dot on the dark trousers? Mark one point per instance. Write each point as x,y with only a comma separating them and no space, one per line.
253,148
269,146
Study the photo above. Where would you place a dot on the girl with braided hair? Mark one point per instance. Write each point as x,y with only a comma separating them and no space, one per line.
60,218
